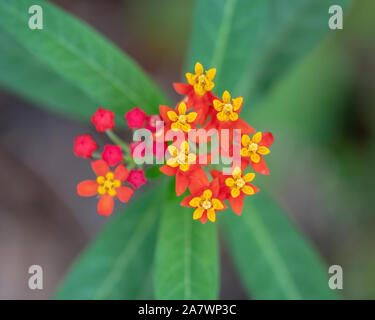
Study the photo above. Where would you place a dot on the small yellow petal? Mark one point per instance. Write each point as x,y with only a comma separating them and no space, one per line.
112,192
191,116
198,213
263,150
236,103
245,140
110,176
210,74
182,108
117,183
229,182
257,137
226,97
217,204
207,194
211,214
184,167
100,180
172,115
198,69
237,172
191,158
233,116
209,86
255,157
245,152
185,127
190,78
218,105
221,116
176,126
173,150
235,192
247,190
195,202
102,190
184,147
249,177
172,162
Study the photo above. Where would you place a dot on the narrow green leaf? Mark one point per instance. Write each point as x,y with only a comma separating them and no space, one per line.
33,80
274,260
186,265
118,265
252,43
81,56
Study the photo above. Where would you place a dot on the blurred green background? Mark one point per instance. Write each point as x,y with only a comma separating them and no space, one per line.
322,114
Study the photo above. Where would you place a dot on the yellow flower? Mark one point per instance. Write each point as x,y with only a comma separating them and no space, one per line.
206,202
238,183
201,83
181,121
227,108
182,158
251,147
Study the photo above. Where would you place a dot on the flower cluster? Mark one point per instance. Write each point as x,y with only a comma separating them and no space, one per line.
202,109
200,118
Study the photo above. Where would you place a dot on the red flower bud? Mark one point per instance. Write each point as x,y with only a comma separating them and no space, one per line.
137,178
136,118
112,154
103,120
84,146
151,122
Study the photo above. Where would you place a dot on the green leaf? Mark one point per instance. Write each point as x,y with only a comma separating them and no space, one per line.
252,43
82,57
186,265
118,265
274,260
36,82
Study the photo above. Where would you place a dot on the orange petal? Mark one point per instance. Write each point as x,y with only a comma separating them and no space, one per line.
182,88
169,171
245,128
267,139
215,186
236,204
255,188
163,113
100,167
186,201
105,205
87,188
199,174
182,183
260,167
204,217
124,193
121,173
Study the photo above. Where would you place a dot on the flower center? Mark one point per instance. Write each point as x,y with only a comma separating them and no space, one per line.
228,108
108,184
206,204
182,158
253,147
202,80
182,118
240,183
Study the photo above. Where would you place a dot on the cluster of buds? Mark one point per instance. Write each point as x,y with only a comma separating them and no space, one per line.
177,135
127,176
